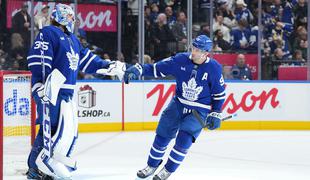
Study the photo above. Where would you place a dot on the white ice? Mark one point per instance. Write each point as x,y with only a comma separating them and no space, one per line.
217,155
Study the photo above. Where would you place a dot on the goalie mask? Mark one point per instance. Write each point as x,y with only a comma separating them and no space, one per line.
64,15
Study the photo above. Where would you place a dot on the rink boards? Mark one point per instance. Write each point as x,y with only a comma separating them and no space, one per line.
259,105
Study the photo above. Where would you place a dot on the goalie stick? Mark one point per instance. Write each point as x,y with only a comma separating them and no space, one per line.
46,119
203,124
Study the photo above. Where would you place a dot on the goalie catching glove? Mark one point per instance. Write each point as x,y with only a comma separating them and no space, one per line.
116,68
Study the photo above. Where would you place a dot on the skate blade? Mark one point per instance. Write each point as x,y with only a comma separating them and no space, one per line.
148,178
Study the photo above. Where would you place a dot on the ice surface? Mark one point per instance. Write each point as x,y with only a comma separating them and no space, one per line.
217,155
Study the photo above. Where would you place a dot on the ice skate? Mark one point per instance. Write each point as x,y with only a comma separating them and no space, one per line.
162,175
35,174
146,172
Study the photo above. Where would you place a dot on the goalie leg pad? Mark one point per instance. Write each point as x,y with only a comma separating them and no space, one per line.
66,134
60,164
52,167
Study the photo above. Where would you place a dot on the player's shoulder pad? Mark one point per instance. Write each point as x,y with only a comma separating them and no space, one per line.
182,57
48,28
183,54
215,65
49,31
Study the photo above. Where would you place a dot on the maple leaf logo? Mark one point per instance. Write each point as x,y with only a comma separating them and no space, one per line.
190,90
73,59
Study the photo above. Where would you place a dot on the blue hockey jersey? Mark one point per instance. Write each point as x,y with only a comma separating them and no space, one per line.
199,87
62,51
239,36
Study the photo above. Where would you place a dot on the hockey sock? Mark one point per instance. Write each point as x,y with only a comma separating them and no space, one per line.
179,151
36,149
158,150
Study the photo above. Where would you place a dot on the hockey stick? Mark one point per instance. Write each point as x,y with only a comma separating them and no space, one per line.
229,117
46,117
203,124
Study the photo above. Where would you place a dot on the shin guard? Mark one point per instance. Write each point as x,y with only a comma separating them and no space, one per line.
179,151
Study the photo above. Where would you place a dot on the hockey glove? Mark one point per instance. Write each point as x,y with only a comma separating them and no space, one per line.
214,120
133,73
39,94
116,68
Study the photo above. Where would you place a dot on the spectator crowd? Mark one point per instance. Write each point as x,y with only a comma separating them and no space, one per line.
234,29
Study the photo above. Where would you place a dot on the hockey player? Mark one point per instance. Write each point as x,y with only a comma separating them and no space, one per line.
57,48
200,94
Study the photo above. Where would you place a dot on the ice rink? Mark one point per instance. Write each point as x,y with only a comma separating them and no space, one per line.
217,155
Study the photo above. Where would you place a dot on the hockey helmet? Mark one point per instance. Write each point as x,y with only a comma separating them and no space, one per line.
203,43
64,15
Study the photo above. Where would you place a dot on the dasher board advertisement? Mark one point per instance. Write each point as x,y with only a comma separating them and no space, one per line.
98,102
139,105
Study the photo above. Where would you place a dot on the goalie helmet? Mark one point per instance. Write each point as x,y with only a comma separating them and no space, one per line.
64,15
203,43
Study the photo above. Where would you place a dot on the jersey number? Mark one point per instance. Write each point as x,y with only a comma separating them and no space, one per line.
41,44
222,81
